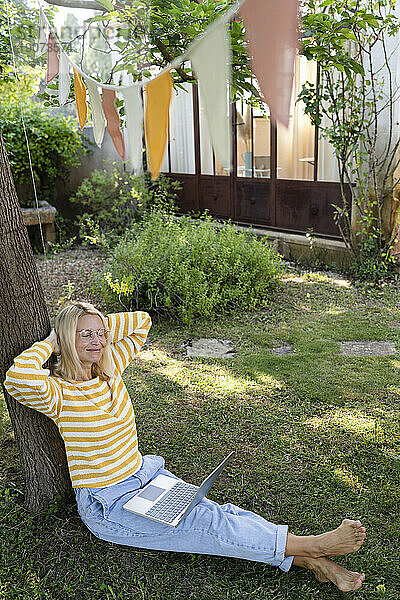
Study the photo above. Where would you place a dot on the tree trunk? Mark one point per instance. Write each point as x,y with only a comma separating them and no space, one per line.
24,320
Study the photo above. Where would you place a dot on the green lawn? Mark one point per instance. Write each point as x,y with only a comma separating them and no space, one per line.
316,438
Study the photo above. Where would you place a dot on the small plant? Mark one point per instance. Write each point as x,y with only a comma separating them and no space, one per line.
68,293
187,269
113,201
57,247
374,263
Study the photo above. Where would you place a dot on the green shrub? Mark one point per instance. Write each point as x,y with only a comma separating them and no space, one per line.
113,201
374,263
55,145
186,269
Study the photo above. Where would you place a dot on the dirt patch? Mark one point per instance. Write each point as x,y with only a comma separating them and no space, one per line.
69,276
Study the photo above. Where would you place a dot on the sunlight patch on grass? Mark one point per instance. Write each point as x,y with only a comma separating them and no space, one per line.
293,278
336,310
346,477
393,389
265,379
216,379
351,421
210,377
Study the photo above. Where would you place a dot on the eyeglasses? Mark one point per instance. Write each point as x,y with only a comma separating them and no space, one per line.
88,334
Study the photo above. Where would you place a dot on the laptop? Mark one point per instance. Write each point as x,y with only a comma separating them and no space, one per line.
167,500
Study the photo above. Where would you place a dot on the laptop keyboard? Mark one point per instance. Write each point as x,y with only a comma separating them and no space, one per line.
173,503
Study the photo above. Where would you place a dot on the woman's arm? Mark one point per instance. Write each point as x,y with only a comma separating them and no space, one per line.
30,384
128,332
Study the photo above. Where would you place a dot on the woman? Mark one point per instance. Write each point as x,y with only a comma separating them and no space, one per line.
85,395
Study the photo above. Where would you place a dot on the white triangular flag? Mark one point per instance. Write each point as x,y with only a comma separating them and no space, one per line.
99,121
64,81
134,127
42,35
211,61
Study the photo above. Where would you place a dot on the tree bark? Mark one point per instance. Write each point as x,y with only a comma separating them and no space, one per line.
24,320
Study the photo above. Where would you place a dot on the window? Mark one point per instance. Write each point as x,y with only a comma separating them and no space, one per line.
295,144
253,131
180,153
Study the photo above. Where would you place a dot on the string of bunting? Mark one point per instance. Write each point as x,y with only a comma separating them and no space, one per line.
271,28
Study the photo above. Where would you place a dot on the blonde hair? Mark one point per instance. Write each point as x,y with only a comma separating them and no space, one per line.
68,365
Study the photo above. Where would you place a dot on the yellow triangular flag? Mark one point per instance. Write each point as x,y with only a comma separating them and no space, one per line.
158,98
80,97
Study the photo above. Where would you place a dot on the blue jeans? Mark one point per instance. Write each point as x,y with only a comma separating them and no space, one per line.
208,529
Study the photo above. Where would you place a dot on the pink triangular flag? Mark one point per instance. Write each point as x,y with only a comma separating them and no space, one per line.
271,29
53,63
112,118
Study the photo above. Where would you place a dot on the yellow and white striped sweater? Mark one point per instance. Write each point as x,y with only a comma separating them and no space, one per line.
95,418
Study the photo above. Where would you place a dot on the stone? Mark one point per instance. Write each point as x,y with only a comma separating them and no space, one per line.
283,349
281,247
209,348
367,348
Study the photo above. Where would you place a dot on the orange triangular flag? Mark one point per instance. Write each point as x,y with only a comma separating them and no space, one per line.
158,98
80,97
53,63
271,28
112,118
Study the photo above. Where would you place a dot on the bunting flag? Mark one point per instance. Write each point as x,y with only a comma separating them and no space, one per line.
80,97
112,118
98,119
271,28
158,98
211,61
134,127
64,82
53,63
42,35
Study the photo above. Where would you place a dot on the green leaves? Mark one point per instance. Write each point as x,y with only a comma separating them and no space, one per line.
372,21
97,18
55,145
353,106
106,4
187,268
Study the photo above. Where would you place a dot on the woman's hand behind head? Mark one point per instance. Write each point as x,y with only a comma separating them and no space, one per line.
52,338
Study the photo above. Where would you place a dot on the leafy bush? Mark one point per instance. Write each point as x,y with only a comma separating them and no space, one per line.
185,268
374,263
113,201
55,145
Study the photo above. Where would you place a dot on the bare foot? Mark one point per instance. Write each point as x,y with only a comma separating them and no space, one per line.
327,570
348,537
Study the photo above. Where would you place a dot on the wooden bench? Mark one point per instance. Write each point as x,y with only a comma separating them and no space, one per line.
45,216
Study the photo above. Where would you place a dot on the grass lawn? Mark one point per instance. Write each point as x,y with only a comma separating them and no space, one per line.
316,437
